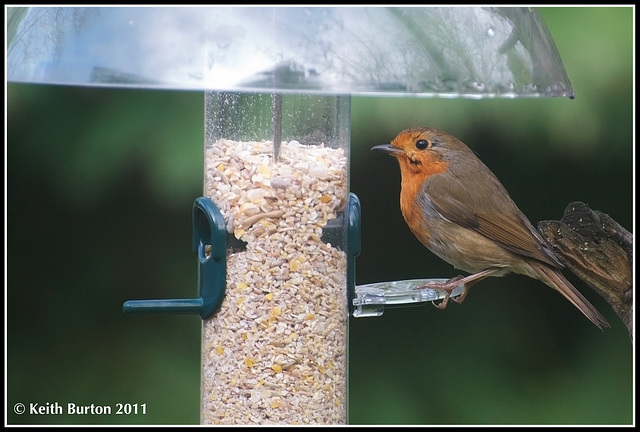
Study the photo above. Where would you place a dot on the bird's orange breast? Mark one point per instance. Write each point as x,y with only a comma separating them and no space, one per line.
413,178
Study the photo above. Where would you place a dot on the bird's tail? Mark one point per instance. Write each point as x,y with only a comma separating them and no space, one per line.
557,281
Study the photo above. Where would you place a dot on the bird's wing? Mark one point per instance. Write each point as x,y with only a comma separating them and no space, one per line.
517,235
508,227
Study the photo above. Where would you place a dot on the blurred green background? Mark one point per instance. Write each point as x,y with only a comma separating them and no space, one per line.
100,184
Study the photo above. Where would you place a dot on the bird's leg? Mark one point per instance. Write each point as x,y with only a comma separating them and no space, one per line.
449,285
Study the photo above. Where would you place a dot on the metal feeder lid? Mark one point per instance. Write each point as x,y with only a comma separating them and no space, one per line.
423,51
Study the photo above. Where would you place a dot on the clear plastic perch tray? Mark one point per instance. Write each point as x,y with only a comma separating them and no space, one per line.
371,299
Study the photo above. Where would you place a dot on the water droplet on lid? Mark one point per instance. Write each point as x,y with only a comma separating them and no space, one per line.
475,86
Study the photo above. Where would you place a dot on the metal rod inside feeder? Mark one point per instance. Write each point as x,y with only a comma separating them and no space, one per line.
276,109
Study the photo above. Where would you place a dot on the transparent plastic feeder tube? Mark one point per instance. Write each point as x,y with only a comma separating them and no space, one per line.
276,351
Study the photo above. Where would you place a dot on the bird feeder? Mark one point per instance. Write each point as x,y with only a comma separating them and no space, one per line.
277,230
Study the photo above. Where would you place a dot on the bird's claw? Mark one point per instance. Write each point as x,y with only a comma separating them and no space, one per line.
449,285
442,305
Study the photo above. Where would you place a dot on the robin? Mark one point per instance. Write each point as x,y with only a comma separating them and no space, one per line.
461,212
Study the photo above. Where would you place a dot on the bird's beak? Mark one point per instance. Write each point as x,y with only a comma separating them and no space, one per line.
387,148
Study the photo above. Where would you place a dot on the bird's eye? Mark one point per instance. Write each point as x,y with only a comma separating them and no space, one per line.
422,144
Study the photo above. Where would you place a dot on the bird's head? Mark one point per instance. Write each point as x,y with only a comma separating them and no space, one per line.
422,151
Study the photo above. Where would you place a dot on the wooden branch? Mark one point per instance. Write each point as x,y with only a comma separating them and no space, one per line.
597,250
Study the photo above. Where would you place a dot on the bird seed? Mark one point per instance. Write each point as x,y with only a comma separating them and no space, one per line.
275,352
